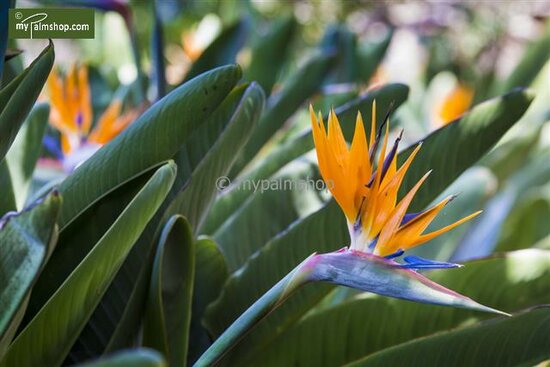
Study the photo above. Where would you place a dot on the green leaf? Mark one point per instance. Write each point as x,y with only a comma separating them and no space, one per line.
50,337
26,148
140,357
270,53
231,200
322,231
210,275
527,221
26,240
7,199
120,312
86,231
168,314
155,137
340,40
455,147
223,50
282,105
367,324
521,340
18,97
286,198
198,196
482,238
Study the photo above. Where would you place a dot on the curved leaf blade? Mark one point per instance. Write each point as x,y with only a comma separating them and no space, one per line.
519,340
168,314
18,97
194,201
210,275
26,240
119,314
25,151
223,50
49,336
162,129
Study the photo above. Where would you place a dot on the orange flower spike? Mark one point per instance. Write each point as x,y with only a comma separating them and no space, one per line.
411,230
429,236
72,96
61,115
358,163
389,192
85,100
376,221
392,224
103,132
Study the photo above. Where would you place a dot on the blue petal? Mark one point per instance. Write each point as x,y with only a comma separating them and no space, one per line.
395,254
419,263
52,145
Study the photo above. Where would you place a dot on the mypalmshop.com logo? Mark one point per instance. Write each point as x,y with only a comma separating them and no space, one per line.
51,23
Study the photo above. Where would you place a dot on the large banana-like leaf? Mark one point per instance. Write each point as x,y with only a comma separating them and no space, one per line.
117,317
230,200
210,275
453,148
198,196
120,168
140,357
18,97
270,53
26,148
153,138
521,340
283,104
26,241
367,324
223,50
51,333
168,314
86,231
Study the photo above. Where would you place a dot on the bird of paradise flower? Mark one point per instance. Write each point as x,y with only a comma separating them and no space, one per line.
71,114
381,230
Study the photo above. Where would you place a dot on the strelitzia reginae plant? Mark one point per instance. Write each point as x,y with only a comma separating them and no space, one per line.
135,248
71,115
380,229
